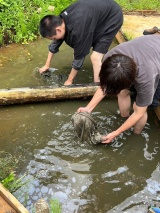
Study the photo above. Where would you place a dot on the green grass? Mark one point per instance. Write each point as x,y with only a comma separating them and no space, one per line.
132,5
19,20
55,206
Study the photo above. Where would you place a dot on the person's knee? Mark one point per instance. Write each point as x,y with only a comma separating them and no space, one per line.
137,131
139,126
124,93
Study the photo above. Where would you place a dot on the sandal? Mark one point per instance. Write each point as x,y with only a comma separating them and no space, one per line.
151,31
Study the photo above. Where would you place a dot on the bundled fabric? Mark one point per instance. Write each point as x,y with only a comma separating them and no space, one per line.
86,128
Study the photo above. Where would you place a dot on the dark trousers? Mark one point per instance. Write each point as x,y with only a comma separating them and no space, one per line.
156,98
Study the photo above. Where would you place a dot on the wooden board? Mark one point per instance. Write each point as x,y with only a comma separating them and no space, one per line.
8,203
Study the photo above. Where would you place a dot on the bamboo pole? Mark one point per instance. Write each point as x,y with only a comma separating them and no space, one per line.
45,93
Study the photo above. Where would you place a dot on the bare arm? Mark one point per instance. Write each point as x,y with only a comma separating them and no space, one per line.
76,66
47,64
98,96
135,117
71,77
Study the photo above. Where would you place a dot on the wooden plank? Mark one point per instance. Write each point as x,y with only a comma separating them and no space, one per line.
44,93
11,200
120,37
5,207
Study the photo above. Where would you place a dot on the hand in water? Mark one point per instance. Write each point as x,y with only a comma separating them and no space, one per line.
84,109
67,83
110,137
43,69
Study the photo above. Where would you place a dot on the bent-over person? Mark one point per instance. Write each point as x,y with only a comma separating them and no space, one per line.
82,25
132,64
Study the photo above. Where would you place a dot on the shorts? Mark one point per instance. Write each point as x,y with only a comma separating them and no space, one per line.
156,98
103,43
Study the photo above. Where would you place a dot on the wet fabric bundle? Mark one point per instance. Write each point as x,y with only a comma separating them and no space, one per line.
86,128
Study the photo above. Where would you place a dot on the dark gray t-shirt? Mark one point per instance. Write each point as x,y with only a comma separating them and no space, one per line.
145,51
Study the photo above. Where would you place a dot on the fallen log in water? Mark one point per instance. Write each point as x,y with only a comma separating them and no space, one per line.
45,93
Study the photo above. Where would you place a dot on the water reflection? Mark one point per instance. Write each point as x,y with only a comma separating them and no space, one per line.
83,178
103,178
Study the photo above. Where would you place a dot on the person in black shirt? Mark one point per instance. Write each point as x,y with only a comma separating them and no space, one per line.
82,25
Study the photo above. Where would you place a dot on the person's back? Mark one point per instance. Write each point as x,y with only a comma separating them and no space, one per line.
145,51
91,23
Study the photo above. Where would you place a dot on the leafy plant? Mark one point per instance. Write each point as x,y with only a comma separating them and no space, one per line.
7,175
20,19
55,206
13,184
130,5
7,164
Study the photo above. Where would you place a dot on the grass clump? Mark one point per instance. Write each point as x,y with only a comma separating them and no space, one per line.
20,19
7,164
55,206
7,174
132,5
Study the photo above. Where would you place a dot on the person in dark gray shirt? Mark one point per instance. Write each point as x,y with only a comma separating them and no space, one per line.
134,63
82,25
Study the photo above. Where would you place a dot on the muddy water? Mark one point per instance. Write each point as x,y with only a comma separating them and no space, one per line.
41,137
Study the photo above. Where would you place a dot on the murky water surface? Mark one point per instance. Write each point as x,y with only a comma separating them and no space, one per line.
83,178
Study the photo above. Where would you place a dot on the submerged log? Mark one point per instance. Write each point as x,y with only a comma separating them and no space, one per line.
45,93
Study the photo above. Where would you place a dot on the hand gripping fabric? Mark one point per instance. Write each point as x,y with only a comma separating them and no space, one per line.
86,128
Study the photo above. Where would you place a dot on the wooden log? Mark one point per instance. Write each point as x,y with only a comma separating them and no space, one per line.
45,93
120,37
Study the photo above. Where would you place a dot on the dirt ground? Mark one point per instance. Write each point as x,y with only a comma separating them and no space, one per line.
134,25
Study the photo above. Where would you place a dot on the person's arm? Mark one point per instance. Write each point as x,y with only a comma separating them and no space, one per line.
47,64
138,113
53,48
98,96
76,66
71,77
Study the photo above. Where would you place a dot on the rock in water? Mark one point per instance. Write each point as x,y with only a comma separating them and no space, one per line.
41,206
86,128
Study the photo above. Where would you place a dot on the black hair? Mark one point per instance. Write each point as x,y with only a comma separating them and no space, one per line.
117,73
48,24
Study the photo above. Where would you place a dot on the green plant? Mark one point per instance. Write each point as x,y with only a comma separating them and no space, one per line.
55,206
12,183
20,19
128,36
7,175
130,5
7,164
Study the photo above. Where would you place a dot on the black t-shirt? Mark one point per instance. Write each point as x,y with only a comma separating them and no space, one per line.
87,22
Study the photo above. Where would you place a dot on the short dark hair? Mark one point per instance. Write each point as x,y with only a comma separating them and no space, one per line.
117,73
48,24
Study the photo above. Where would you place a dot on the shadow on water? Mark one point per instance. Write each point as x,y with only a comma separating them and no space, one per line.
104,178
